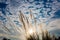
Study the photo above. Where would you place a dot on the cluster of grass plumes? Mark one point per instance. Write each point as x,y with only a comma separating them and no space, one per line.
33,38
45,36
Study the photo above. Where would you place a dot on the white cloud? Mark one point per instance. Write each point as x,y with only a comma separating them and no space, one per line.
54,24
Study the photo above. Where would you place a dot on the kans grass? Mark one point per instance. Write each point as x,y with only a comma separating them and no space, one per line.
28,31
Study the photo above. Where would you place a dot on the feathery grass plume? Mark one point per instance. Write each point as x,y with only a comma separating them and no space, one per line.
13,25
6,29
22,19
31,16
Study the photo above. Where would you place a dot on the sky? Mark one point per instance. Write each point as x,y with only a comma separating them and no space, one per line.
47,11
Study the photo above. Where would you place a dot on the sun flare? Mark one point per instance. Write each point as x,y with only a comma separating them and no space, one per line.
31,31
